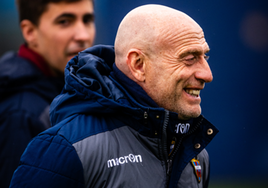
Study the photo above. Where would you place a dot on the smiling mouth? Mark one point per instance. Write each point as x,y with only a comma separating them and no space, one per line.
193,92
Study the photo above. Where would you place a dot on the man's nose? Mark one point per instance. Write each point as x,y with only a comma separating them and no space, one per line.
81,32
204,72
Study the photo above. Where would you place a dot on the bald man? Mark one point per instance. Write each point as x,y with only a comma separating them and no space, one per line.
133,123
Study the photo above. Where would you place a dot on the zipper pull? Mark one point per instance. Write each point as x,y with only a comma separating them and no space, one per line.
169,164
145,116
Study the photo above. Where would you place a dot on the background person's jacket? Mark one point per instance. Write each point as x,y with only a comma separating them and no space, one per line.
101,137
25,95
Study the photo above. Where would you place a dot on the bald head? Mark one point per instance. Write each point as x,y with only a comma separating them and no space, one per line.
149,28
164,51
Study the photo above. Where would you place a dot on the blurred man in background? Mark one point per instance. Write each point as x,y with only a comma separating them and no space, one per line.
54,32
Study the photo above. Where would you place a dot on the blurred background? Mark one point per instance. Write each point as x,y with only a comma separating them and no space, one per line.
235,102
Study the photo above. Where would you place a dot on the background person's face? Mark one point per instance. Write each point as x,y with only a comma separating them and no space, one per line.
178,71
64,30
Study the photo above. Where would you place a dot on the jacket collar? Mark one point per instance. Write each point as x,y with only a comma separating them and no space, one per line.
133,88
35,58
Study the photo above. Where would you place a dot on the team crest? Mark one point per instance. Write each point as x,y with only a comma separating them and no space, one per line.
171,147
197,169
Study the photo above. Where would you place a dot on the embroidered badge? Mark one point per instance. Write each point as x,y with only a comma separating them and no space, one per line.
197,169
172,146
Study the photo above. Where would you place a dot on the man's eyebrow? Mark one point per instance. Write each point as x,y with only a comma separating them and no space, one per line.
195,52
89,15
65,15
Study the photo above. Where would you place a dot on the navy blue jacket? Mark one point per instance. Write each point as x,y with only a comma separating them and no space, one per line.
25,97
102,137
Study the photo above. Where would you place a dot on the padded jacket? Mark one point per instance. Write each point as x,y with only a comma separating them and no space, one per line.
25,97
102,137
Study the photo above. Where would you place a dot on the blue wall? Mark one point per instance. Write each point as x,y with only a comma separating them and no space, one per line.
10,35
236,101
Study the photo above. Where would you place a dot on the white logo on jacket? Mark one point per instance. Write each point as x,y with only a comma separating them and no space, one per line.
182,128
122,160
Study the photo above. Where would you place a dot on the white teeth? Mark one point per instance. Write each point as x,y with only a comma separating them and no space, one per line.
193,92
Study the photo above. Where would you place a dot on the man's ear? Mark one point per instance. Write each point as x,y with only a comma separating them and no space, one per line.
136,64
29,33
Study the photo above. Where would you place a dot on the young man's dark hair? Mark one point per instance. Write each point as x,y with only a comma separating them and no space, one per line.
32,10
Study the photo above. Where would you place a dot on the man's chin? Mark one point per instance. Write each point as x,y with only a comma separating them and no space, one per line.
186,115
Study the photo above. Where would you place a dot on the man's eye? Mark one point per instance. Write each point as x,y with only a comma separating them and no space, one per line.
64,22
206,57
88,19
190,58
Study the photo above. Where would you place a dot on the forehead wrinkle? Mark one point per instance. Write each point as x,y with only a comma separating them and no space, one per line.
177,41
199,46
181,30
175,28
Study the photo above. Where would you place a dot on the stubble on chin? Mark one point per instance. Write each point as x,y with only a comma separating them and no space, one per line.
188,114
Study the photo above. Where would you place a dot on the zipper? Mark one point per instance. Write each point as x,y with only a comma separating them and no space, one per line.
164,150
164,136
177,146
169,164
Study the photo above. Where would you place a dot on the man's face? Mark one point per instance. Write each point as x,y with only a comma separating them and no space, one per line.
65,29
178,71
